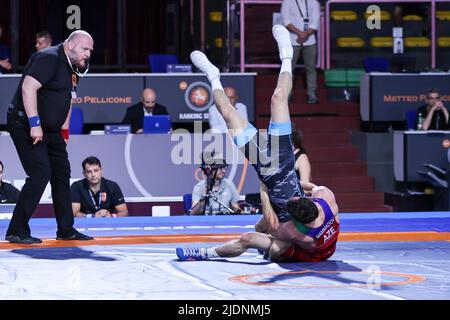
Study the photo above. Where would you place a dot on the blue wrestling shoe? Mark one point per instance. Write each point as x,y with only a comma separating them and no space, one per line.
191,254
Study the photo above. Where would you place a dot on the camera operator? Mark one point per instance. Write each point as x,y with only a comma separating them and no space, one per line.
215,194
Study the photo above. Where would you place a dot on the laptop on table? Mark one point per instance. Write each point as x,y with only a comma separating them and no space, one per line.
157,124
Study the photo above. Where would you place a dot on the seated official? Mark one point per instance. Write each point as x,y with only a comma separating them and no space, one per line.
217,123
147,107
218,186
8,193
434,113
5,55
96,196
43,40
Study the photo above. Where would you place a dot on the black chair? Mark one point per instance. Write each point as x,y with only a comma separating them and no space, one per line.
401,64
440,179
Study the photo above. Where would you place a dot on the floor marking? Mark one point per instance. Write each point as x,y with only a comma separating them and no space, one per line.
410,278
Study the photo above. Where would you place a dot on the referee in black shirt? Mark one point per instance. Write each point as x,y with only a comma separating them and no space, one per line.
38,121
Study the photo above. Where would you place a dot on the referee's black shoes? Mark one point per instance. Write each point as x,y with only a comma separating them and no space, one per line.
25,240
76,236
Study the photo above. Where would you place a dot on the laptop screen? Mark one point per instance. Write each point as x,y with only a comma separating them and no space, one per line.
157,124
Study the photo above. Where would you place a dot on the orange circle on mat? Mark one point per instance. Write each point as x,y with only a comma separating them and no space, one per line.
410,278
446,143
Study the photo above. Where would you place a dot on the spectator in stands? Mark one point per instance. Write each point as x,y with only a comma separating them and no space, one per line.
8,193
146,107
5,55
43,40
302,165
214,167
422,10
436,116
96,196
302,18
216,121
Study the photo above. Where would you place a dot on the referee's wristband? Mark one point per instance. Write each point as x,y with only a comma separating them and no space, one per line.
34,121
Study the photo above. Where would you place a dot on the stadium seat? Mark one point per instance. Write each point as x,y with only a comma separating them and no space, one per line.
218,42
377,64
341,78
411,119
187,201
343,15
159,62
215,16
412,17
76,121
384,15
350,42
381,42
443,42
417,42
443,14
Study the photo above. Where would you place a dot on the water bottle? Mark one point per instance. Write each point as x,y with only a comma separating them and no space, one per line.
420,122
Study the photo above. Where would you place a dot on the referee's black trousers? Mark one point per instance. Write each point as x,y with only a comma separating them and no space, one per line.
46,161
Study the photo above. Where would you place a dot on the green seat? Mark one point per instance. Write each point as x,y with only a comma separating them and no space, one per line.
340,77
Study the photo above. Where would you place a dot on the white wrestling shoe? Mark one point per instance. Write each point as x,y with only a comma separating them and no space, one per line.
200,60
283,38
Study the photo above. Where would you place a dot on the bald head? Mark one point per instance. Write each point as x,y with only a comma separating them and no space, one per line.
77,34
78,47
231,94
149,99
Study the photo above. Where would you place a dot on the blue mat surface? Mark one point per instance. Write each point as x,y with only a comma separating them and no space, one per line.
369,222
359,270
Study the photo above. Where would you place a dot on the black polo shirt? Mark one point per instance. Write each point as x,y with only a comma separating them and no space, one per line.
8,193
51,69
108,197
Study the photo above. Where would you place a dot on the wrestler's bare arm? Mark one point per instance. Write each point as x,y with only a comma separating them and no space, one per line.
270,218
326,194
